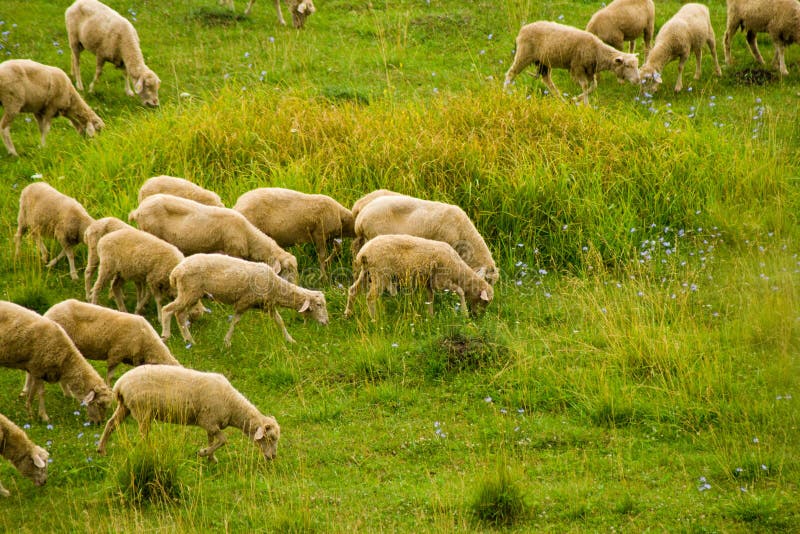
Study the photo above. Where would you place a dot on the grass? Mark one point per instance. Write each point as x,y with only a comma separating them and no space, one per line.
642,341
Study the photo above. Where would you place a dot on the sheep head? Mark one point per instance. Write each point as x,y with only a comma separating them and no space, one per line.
301,12
146,86
626,67
96,402
266,437
315,306
34,465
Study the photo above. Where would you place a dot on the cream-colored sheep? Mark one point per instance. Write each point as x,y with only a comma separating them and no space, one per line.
184,396
414,261
244,284
624,20
401,214
686,32
93,26
103,334
131,254
42,348
779,18
30,87
359,204
29,459
91,237
44,211
195,227
550,45
291,217
179,187
300,9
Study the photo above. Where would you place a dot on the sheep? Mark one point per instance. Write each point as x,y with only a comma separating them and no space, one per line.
359,204
29,459
42,348
413,261
686,32
194,227
103,334
185,396
44,211
551,45
45,91
291,217
239,282
93,26
400,214
301,9
779,18
624,20
179,187
91,236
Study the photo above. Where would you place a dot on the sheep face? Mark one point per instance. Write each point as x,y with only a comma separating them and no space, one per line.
315,307
89,126
650,79
146,87
301,12
96,401
480,297
267,436
626,67
491,274
34,465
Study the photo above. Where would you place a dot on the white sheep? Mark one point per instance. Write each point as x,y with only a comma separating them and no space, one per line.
401,214
243,284
686,32
300,9
91,237
550,45
29,459
179,187
291,217
42,348
44,211
185,396
359,204
779,18
195,227
93,26
624,20
103,334
45,91
414,261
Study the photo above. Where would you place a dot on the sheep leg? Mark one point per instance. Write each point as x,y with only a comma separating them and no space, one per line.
249,7
548,81
712,46
36,389
4,492
110,373
53,262
168,311
778,60
103,276
237,315
26,386
278,9
322,253
216,439
353,291
75,47
698,68
5,129
44,125
142,296
279,322
753,43
460,293
521,60
128,90
119,298
429,303
681,63
119,416
91,265
98,70
70,252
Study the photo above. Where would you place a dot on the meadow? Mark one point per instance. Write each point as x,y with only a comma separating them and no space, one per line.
637,370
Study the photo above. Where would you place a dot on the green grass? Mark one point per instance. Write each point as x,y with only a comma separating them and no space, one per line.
642,344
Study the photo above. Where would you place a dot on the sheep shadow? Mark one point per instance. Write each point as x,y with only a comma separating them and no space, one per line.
215,16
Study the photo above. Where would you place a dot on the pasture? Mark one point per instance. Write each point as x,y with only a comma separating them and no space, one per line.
637,370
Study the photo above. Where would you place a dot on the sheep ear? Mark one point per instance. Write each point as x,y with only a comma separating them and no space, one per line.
305,306
619,60
301,8
88,398
481,272
259,434
39,458
276,267
484,295
139,85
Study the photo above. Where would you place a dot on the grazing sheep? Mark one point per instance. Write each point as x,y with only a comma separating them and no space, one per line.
29,459
242,283
44,211
179,187
549,45
359,204
624,20
684,33
91,236
779,18
195,227
290,217
42,348
301,9
93,26
400,214
131,254
415,261
103,334
30,87
188,397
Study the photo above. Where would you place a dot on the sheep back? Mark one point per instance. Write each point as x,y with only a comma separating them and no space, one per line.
179,187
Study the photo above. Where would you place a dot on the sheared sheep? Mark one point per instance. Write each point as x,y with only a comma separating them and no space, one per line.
550,45
93,26
624,20
184,396
29,459
30,87
291,217
686,32
103,334
179,187
242,283
195,227
44,211
415,261
42,348
91,237
779,18
401,214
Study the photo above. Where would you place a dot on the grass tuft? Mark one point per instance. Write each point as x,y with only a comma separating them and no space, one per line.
499,501
144,477
462,349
